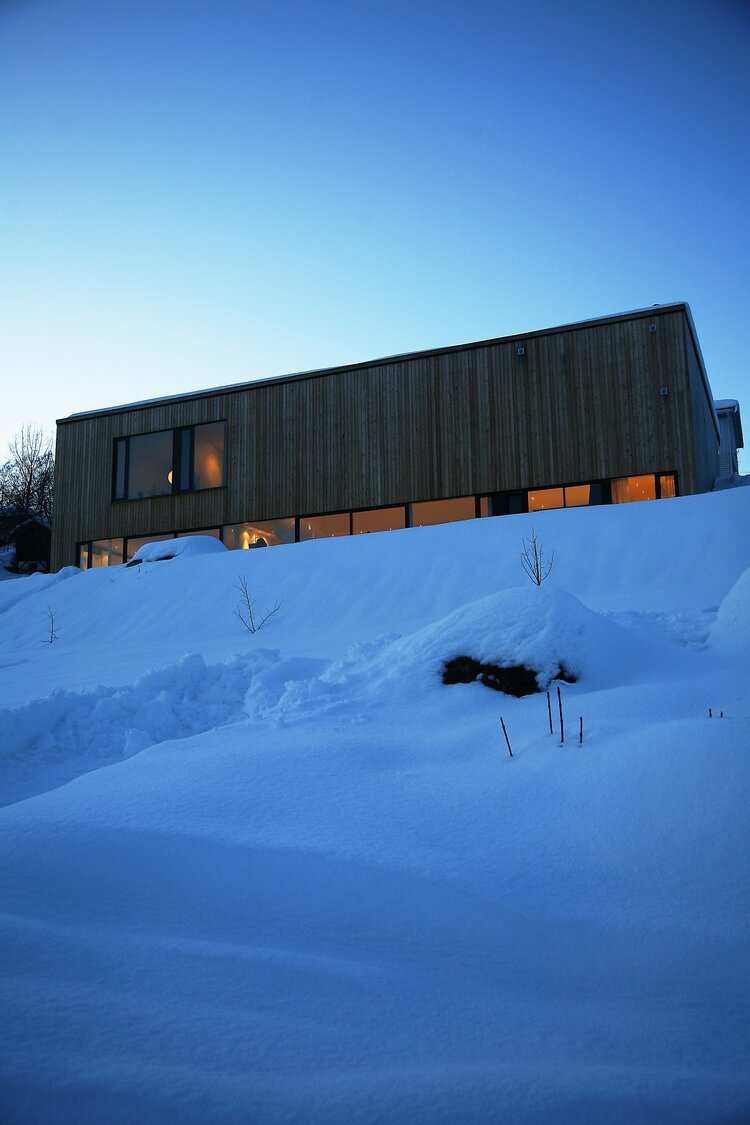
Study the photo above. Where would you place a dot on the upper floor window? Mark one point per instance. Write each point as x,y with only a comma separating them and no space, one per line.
169,461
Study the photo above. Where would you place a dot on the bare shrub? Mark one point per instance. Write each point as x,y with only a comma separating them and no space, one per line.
51,619
532,560
245,609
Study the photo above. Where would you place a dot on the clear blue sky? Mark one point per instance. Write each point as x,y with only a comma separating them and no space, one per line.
197,193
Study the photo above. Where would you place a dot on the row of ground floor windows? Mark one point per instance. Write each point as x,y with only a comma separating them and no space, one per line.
294,529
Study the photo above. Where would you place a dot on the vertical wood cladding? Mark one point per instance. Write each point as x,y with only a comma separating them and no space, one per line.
581,403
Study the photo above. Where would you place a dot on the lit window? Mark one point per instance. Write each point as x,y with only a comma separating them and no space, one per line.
149,465
378,519
158,464
323,527
267,533
544,498
667,487
208,455
577,495
100,552
627,489
430,512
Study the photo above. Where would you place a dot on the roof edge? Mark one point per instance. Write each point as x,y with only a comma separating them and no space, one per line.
231,388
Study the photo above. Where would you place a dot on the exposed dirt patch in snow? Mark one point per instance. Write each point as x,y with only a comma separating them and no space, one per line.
514,679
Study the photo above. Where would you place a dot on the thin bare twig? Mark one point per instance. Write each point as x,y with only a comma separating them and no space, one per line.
51,617
245,609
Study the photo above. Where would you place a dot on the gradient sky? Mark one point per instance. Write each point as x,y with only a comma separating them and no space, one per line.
201,192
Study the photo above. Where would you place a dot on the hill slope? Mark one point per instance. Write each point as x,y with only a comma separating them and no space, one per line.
294,877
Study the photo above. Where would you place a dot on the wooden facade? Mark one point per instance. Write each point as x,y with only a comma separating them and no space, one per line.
605,398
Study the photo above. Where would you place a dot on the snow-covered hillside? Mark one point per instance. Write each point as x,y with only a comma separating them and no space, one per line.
292,876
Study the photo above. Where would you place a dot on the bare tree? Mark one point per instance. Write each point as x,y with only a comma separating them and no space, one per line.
532,560
27,477
51,618
245,609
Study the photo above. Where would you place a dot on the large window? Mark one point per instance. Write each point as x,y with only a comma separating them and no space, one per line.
266,533
429,512
208,456
650,487
169,461
543,498
144,464
135,542
324,527
378,519
569,496
100,552
210,532
627,489
667,486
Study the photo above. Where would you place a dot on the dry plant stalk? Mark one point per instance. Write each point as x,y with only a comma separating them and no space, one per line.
532,560
245,609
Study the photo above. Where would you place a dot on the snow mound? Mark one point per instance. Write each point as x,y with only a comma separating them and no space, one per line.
544,629
731,629
187,546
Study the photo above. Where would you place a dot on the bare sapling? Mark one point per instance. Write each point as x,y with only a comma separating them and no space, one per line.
562,721
245,609
532,560
51,619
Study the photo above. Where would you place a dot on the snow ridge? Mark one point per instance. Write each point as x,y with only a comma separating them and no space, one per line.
52,740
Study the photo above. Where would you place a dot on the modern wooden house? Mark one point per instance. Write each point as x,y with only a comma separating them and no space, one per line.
603,411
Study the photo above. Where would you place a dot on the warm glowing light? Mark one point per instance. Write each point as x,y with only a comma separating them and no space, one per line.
576,495
625,489
169,476
211,469
546,498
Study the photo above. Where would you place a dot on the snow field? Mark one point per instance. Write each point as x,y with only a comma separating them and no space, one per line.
293,877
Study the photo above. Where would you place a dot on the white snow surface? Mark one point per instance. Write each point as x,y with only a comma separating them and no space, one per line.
291,876
186,546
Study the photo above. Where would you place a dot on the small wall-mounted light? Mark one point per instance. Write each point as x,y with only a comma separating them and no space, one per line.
663,391
652,328
520,350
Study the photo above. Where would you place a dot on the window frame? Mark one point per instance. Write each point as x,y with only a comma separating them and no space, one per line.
183,462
